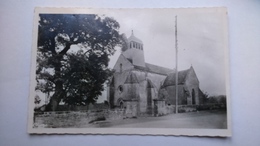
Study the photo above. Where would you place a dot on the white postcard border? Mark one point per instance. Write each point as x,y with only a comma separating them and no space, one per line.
115,131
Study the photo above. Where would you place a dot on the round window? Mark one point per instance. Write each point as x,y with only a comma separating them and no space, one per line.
120,89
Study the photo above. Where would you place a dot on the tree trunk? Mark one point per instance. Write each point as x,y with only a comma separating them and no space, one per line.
52,105
59,92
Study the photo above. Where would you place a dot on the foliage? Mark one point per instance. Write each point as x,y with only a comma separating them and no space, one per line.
37,99
205,96
73,55
125,43
219,99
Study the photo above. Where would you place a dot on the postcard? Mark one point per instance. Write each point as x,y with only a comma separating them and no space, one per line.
130,71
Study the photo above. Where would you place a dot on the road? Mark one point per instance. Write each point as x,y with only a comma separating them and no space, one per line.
204,119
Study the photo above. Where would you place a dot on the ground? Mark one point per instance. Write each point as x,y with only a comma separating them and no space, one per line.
201,120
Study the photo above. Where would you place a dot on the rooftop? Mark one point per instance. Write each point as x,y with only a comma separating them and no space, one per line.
170,79
135,39
154,69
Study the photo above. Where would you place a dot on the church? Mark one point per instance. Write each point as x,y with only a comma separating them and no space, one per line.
136,80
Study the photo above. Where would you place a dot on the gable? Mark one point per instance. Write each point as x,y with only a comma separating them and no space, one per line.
192,77
124,63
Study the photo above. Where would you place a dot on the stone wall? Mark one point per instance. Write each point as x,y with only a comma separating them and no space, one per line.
170,109
118,80
182,97
131,108
187,108
75,118
125,64
192,83
137,90
159,108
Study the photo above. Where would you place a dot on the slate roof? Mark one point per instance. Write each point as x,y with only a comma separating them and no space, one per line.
170,79
154,69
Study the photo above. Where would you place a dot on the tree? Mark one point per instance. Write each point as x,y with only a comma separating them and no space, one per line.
75,75
212,100
222,99
205,97
37,99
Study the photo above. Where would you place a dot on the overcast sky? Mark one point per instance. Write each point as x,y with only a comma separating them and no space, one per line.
201,41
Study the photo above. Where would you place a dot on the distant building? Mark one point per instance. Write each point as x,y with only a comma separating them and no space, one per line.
134,79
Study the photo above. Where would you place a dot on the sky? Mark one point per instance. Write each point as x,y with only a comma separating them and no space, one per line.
202,41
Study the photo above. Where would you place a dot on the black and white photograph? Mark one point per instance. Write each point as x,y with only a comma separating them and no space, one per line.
130,71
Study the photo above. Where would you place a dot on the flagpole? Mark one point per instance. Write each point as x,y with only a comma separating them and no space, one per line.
176,74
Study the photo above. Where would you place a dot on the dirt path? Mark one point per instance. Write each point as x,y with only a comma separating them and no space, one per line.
205,119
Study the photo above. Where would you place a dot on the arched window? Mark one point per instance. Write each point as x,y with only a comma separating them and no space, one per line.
193,96
120,103
121,67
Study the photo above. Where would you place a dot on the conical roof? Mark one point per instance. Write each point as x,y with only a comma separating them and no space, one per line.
135,39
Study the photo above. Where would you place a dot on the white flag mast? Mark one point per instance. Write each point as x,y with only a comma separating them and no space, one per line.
176,74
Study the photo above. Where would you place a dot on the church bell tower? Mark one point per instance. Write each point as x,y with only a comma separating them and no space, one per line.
134,51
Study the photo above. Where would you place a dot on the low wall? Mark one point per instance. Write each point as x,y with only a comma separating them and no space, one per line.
66,119
131,108
170,109
159,107
78,118
187,108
